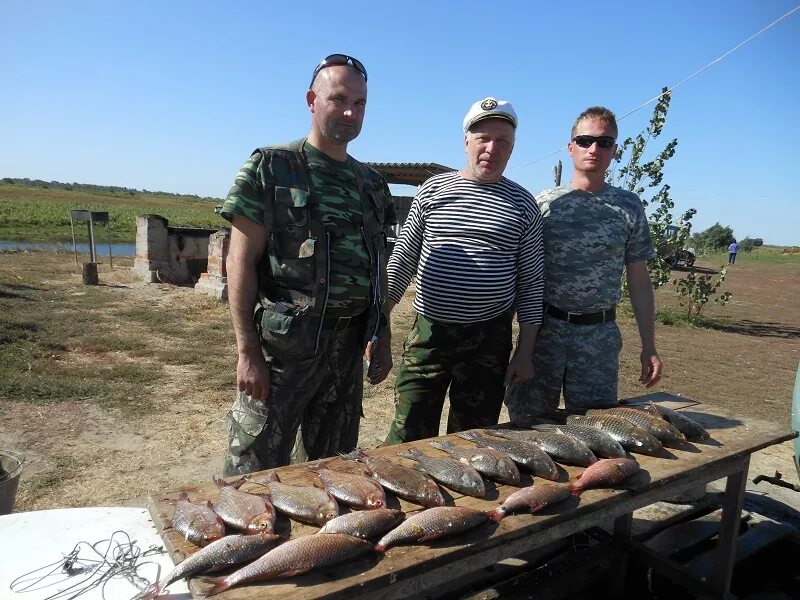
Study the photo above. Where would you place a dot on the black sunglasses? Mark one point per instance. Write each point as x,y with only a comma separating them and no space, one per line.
338,59
586,141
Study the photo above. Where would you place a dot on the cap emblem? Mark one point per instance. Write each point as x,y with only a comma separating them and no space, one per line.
489,104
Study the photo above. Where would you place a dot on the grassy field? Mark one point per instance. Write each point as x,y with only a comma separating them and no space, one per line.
43,215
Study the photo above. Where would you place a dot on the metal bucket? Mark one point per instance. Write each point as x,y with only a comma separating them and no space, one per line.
10,470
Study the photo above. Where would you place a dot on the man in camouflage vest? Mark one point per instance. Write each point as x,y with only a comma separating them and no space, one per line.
307,283
592,231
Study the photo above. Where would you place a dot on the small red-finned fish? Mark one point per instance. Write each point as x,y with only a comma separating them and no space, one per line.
604,473
354,490
530,499
249,513
227,552
451,473
492,463
364,524
294,557
303,503
431,524
197,523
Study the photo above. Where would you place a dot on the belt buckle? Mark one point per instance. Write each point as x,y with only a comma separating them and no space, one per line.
572,314
342,323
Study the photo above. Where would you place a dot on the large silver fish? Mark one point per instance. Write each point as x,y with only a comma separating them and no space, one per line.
352,489
492,463
600,442
198,523
561,447
407,483
431,524
689,427
527,455
227,552
451,473
604,473
656,426
250,513
632,438
303,503
294,557
530,499
364,524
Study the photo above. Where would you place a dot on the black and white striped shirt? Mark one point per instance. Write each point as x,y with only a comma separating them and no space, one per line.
475,248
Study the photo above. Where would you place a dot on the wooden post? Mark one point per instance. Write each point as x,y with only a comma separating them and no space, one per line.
90,273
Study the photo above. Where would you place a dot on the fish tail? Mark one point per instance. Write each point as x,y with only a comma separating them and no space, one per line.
495,515
575,488
152,591
380,548
220,585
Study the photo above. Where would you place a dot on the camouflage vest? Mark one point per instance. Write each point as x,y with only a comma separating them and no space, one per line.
294,274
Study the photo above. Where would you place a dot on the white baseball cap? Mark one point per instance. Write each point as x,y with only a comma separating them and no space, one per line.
490,108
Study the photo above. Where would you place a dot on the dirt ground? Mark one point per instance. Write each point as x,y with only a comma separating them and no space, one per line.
746,366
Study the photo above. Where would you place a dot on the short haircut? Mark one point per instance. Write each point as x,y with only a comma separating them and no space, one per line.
600,113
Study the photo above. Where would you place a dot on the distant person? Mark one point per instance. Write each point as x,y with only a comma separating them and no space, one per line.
592,232
306,275
732,250
473,240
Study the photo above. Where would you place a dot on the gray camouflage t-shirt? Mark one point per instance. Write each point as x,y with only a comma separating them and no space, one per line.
588,239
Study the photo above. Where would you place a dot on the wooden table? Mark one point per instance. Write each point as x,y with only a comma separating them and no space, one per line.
405,571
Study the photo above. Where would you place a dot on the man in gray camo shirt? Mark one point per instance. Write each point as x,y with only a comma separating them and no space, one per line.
592,231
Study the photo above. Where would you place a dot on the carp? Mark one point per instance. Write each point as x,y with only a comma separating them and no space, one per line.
356,491
303,503
294,557
604,473
630,437
492,463
451,473
197,523
364,524
561,447
250,513
227,552
407,483
599,442
530,499
657,426
693,430
433,523
530,456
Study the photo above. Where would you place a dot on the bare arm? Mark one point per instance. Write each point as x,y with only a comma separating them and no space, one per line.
641,292
248,243
520,368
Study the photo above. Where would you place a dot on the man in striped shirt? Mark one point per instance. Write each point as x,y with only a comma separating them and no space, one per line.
473,239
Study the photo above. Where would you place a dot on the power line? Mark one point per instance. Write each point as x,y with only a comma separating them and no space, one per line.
681,82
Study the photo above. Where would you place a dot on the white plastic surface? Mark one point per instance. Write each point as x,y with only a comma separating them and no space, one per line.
43,539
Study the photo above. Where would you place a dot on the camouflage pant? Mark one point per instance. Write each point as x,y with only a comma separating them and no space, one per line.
313,409
581,359
471,359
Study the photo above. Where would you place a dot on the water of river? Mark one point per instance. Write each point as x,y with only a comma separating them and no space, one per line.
102,249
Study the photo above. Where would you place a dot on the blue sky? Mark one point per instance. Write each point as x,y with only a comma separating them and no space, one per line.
174,95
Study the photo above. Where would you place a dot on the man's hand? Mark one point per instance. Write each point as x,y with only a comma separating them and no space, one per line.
651,368
378,355
252,375
520,368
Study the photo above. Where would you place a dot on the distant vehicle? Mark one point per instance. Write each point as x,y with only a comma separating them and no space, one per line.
683,257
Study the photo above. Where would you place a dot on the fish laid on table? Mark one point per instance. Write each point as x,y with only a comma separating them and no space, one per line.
364,524
354,490
431,524
661,429
408,483
527,455
249,513
600,442
303,503
227,552
451,473
604,473
492,463
294,557
693,430
561,447
531,499
197,523
630,437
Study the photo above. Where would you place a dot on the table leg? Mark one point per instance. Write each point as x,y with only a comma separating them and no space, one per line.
622,533
729,531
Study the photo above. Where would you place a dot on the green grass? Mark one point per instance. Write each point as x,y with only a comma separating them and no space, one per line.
36,214
766,254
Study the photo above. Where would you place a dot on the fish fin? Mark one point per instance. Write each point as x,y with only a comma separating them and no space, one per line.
219,586
495,515
380,548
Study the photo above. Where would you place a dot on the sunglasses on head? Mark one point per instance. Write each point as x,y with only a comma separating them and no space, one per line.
585,141
336,60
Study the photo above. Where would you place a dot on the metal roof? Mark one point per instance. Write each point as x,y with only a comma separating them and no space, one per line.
409,173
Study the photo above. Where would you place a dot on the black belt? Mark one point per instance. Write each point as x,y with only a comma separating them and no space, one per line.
339,323
604,316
